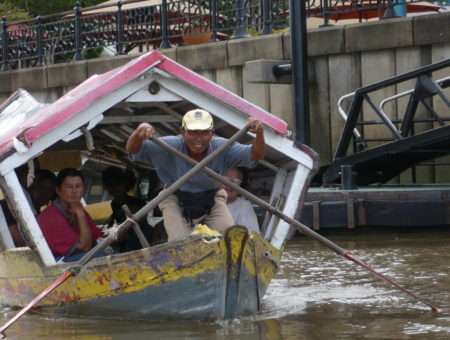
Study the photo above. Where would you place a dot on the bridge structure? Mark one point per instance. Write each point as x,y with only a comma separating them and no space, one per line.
131,24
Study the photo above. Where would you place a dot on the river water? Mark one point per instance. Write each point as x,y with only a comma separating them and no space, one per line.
316,295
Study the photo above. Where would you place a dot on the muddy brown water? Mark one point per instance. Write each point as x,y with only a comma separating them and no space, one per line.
316,295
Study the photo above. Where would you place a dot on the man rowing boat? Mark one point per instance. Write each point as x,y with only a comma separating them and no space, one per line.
200,199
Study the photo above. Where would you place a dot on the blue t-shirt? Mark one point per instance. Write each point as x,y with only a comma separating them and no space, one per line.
170,167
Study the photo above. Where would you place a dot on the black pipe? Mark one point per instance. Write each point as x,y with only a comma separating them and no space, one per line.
282,70
300,71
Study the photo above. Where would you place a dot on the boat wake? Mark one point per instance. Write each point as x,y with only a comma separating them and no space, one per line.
283,300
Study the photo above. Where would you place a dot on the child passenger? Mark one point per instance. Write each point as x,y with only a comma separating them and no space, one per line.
119,183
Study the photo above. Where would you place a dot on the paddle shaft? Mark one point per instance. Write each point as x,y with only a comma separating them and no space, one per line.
129,222
59,281
301,227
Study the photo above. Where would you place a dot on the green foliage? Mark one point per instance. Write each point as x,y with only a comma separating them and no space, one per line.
44,7
11,12
92,53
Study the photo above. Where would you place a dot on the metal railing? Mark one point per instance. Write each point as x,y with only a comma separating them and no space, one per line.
375,146
78,33
425,88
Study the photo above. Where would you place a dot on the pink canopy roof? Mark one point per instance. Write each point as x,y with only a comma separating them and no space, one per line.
47,118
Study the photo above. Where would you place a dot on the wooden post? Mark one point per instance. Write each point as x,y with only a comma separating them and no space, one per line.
350,213
316,214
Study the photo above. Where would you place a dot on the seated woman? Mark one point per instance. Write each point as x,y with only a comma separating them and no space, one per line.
66,226
118,183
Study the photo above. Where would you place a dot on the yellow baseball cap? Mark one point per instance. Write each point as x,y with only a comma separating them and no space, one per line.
197,119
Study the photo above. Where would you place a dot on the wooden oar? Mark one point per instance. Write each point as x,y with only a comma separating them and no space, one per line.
36,300
301,227
76,268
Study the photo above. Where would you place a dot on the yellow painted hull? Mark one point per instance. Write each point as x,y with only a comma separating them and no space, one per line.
198,277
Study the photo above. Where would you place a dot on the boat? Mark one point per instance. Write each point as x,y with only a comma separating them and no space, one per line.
201,277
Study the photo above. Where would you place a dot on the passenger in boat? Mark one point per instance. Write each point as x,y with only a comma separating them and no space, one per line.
16,234
118,183
26,179
240,208
40,193
67,227
43,189
200,199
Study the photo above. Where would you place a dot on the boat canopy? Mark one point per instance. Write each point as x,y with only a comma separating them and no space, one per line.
152,88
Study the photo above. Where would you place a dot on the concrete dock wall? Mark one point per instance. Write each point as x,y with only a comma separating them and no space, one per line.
343,58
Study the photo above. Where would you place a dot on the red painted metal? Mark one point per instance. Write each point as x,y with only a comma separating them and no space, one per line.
369,10
93,89
224,96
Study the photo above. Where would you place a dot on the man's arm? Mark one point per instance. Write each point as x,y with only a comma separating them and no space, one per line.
258,145
143,131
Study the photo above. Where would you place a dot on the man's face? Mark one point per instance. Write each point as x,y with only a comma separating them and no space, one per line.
197,141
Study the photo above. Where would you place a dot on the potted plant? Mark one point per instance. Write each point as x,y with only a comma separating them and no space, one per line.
198,30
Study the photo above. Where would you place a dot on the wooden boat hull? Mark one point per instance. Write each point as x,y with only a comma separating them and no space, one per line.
198,277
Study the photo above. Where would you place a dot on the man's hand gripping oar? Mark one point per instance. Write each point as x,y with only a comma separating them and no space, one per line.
301,227
76,268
